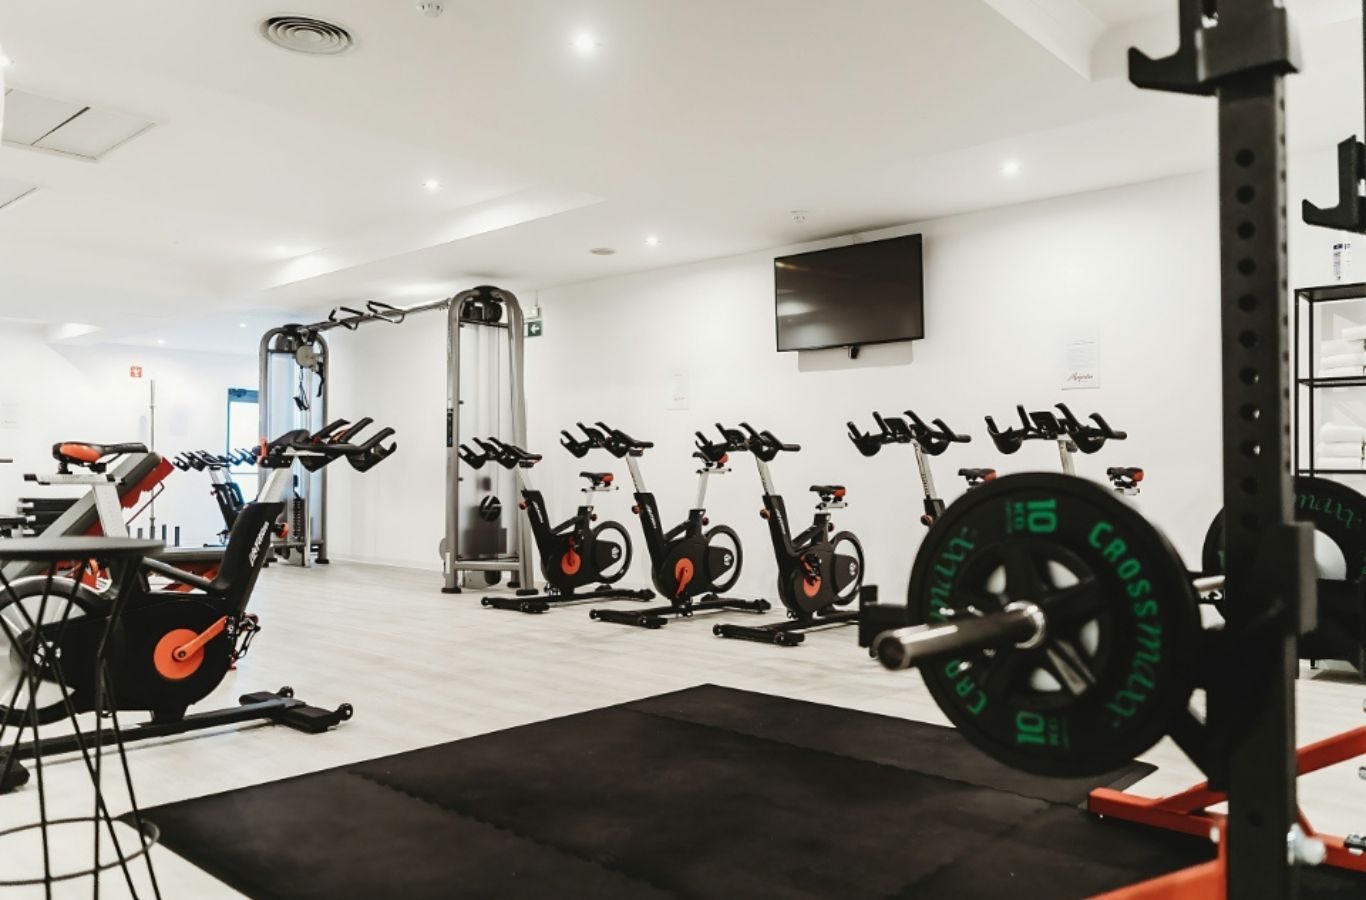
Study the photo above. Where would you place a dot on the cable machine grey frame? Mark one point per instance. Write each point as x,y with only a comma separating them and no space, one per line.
288,338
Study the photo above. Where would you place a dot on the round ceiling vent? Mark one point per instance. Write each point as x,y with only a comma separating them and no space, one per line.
304,34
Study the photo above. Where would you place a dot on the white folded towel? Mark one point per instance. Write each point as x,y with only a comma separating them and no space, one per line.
1330,433
1341,451
1354,333
1338,360
1336,462
1330,348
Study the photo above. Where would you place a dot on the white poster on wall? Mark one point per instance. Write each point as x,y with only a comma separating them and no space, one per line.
1081,366
678,390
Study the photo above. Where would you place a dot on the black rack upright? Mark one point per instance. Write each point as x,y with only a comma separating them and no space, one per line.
1241,51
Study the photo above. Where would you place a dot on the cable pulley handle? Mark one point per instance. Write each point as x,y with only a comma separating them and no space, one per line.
1019,625
351,322
386,312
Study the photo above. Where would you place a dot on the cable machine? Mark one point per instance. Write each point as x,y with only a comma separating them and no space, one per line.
485,334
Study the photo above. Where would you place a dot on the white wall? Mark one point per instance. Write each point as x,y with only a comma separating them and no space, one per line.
1133,268
394,514
56,393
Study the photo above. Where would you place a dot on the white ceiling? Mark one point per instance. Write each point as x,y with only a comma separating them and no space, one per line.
276,183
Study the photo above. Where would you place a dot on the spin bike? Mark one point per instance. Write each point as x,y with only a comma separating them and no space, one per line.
574,553
818,572
226,492
927,441
175,647
690,564
1071,435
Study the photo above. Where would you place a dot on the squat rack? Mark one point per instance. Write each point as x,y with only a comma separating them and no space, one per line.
1240,51
479,307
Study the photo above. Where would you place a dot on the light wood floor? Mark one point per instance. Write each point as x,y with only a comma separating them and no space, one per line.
422,667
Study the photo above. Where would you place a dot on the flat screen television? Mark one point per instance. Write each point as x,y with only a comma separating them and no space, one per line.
869,293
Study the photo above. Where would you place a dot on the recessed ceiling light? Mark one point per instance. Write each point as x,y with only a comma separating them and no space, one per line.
585,43
432,184
5,61
241,324
1010,168
602,251
652,241
161,341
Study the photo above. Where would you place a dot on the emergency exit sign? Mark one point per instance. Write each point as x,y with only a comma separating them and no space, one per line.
533,328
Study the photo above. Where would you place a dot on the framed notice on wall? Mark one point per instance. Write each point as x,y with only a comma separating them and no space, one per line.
1081,366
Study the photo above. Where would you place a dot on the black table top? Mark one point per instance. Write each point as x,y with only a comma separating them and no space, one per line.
58,549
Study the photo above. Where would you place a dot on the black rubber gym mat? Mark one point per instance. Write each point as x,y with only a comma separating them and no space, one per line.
708,792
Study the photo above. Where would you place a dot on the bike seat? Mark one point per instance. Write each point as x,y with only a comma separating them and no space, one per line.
978,476
828,490
1125,478
86,455
597,477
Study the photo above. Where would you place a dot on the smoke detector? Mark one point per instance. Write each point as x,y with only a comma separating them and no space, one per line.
304,34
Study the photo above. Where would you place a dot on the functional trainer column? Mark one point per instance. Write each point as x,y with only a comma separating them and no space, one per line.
1240,51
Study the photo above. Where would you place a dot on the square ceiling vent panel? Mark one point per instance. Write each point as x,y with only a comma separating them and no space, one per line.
45,123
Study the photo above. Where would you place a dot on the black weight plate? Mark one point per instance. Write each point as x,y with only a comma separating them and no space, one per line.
1332,508
490,508
1114,667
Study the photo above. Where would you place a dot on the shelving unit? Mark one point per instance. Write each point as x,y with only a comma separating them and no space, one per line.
1307,301
1341,632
